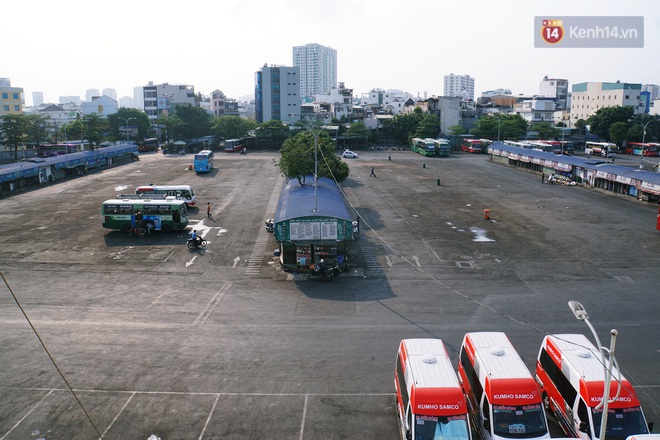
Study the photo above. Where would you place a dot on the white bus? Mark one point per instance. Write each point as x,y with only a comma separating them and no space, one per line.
503,397
181,192
430,402
605,149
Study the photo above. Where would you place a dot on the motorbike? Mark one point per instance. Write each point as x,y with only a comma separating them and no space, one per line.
329,273
137,232
356,230
270,225
199,244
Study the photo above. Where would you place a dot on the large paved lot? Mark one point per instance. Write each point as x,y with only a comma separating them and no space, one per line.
223,344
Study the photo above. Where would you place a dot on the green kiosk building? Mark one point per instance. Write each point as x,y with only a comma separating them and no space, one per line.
311,223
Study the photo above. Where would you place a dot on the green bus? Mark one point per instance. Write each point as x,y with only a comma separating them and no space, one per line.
425,147
128,211
442,147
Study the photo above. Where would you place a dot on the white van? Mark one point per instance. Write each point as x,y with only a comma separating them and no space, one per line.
503,398
569,371
430,402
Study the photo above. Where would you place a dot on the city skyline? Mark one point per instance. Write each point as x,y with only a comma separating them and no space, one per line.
408,46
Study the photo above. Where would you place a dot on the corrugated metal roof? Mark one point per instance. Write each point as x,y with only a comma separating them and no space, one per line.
586,163
298,201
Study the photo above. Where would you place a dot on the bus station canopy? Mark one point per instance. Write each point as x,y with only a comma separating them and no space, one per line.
298,201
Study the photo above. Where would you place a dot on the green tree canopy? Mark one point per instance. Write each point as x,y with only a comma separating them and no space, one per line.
428,127
601,122
618,132
37,128
401,128
456,130
502,126
297,157
274,131
135,118
195,121
546,130
232,127
13,131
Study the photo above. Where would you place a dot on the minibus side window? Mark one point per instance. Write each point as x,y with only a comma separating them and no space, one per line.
403,389
582,413
561,382
486,411
471,376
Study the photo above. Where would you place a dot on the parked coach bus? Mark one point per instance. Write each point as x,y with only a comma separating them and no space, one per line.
203,161
569,370
430,402
126,212
232,145
503,399
474,146
181,192
425,147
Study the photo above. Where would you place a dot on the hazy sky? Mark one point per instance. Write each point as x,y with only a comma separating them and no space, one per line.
66,47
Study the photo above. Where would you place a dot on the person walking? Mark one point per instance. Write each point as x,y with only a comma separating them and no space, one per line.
373,174
208,210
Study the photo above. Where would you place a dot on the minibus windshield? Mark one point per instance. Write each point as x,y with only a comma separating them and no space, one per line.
519,421
441,428
621,423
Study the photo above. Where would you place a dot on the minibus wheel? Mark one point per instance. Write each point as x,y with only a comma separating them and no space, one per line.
126,228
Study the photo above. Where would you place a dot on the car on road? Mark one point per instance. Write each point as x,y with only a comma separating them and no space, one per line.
349,154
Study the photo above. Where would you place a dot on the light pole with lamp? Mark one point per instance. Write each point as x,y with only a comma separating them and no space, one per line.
126,119
581,314
641,157
315,134
499,124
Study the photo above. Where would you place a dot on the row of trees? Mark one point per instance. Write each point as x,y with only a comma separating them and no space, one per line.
621,124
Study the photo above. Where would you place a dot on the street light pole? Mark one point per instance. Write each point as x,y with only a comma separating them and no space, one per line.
127,119
315,134
581,314
499,123
641,157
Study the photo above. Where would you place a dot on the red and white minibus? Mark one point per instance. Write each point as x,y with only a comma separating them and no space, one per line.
430,402
503,398
569,370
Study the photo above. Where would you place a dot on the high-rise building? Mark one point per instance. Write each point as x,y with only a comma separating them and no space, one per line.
162,98
555,88
277,94
653,89
588,97
459,85
109,92
37,99
318,69
90,94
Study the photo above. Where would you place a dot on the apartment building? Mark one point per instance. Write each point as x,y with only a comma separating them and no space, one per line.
318,69
11,98
588,97
277,94
163,98
555,88
459,85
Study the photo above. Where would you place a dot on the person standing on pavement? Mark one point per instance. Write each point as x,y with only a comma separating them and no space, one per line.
208,210
372,173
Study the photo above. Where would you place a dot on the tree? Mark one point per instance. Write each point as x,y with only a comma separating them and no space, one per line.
232,127
580,124
618,132
560,124
546,130
601,122
36,128
402,127
428,127
195,121
358,130
501,126
13,129
95,127
297,157
635,133
135,118
456,130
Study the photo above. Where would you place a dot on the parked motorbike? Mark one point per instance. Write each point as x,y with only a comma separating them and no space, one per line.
356,230
137,232
270,225
328,274
199,244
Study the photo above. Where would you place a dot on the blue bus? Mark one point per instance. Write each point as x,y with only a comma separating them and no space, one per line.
203,161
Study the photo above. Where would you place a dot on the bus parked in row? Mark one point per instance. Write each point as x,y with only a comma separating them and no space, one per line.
605,149
181,192
126,212
232,145
442,147
570,373
425,147
203,161
649,149
474,146
429,399
503,399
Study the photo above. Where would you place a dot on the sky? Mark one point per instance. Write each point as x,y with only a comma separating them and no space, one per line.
65,47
